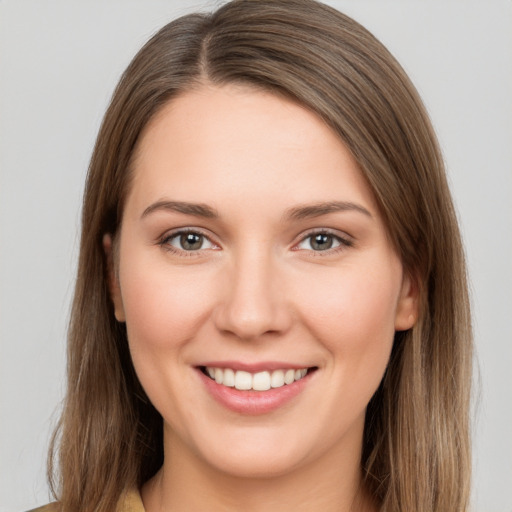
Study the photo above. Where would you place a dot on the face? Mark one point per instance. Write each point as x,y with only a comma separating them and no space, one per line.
259,289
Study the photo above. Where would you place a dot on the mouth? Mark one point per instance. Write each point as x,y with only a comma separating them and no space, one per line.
257,381
257,387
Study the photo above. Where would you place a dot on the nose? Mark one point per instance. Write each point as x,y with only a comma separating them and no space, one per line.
253,302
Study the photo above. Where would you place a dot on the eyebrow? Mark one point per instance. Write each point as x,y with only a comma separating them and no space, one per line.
195,209
296,213
317,209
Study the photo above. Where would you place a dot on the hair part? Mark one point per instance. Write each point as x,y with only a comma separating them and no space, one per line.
416,452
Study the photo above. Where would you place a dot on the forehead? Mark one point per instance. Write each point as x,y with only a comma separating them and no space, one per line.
231,144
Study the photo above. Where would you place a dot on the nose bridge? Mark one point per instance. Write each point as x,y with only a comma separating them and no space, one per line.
254,303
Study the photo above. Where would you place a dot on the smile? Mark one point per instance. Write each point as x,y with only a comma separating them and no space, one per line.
260,381
258,388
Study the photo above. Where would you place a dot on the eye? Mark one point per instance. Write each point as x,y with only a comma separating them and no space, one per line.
188,241
322,241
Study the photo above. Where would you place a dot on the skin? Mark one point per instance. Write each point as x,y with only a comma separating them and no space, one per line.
256,290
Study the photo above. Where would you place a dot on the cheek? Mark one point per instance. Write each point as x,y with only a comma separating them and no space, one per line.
163,310
352,313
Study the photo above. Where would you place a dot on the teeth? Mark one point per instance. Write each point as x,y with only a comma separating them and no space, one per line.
261,381
277,379
289,376
229,378
300,373
243,380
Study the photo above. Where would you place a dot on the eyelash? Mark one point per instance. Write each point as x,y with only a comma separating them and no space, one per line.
344,243
164,242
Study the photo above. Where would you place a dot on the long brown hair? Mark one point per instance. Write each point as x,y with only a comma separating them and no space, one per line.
416,453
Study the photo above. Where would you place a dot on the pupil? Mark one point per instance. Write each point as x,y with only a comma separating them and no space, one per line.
322,242
191,241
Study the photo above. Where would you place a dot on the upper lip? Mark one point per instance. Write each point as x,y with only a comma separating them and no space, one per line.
254,367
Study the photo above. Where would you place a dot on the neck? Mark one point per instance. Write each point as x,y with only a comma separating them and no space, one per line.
187,482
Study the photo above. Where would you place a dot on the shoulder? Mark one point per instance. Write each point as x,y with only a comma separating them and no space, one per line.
51,507
129,502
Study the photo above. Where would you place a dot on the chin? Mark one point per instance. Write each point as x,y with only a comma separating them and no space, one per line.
261,452
254,463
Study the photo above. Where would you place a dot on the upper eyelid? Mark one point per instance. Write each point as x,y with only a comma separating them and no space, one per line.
171,234
342,235
179,231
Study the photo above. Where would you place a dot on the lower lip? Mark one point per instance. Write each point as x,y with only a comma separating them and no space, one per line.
254,402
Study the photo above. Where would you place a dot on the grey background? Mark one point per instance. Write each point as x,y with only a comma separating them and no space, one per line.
59,62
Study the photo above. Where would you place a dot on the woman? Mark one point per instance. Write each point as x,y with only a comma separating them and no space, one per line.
271,306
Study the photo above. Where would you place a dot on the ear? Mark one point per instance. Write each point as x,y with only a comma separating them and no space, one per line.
407,307
113,280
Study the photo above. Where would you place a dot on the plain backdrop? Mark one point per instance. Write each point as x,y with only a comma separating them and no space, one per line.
59,63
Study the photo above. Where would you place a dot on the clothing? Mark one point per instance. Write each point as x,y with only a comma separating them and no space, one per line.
129,502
